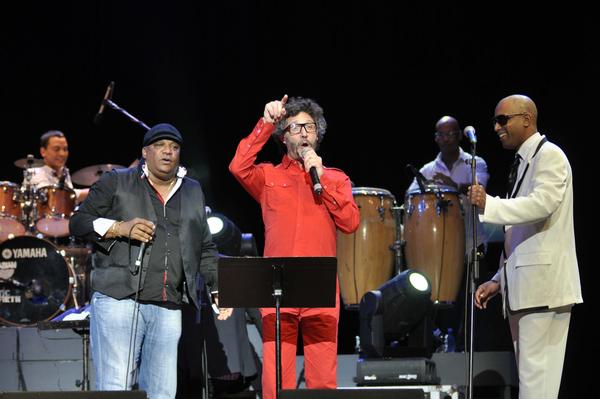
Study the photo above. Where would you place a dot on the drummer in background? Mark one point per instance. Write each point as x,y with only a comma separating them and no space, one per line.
451,170
54,149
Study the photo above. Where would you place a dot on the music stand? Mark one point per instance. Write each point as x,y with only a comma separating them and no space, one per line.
81,327
295,282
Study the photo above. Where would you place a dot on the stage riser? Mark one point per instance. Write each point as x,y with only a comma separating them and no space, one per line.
353,394
75,395
51,361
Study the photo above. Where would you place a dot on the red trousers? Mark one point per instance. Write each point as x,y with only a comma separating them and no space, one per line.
319,328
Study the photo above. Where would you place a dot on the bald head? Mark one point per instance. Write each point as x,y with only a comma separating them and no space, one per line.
519,123
448,136
519,103
447,123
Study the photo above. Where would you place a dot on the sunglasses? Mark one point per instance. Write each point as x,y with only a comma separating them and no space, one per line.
503,119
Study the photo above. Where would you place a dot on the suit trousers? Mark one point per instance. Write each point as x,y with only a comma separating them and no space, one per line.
540,340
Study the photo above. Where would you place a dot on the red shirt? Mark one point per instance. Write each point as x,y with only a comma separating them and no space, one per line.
297,222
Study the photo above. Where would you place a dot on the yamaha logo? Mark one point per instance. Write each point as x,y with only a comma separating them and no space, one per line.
20,253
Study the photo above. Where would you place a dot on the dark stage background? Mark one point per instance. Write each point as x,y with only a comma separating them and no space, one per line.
383,73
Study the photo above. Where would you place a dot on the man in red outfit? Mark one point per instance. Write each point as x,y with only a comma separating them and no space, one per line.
298,222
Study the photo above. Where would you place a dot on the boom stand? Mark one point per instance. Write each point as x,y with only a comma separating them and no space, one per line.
255,282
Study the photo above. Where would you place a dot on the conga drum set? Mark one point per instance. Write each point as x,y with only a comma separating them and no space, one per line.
43,270
426,234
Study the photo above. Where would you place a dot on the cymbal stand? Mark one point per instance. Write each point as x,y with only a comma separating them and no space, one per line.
73,280
28,197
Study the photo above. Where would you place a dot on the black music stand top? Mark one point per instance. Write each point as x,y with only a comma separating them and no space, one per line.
305,282
64,324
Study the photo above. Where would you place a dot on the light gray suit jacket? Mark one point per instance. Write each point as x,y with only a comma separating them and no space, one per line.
541,269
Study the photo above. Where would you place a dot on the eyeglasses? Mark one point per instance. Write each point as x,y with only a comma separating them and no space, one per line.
295,128
503,119
448,135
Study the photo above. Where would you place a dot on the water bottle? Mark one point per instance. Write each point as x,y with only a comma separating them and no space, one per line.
449,341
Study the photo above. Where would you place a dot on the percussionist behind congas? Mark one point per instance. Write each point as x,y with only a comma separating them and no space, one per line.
451,170
436,229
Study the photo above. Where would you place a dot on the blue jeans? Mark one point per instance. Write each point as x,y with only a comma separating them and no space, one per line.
155,351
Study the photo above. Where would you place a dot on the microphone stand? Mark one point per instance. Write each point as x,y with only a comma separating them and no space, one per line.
473,274
132,118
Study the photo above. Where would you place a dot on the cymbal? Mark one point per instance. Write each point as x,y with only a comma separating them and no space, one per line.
25,163
89,175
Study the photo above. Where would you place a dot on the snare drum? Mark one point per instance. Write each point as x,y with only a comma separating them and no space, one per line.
55,206
434,233
35,281
365,257
10,211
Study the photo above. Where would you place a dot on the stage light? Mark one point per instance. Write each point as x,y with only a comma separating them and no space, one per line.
395,319
229,239
248,245
226,235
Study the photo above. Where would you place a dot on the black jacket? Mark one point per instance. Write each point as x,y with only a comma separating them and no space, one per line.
121,195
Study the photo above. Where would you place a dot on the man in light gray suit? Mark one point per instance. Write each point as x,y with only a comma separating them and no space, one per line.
538,275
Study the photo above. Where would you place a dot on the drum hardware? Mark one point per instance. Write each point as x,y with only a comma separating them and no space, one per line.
78,259
397,246
73,280
442,205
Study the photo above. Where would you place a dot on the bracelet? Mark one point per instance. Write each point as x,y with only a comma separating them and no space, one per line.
113,229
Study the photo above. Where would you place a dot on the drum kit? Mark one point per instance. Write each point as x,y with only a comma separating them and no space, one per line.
426,234
43,270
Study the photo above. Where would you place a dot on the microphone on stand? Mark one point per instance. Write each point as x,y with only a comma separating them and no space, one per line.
470,133
61,181
314,176
418,176
107,96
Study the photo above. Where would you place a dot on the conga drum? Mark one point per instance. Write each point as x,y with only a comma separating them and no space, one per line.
434,235
365,257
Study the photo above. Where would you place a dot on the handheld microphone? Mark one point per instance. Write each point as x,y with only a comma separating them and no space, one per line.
314,176
470,133
138,261
107,96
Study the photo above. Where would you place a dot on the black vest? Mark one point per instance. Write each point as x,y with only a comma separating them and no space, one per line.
122,195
